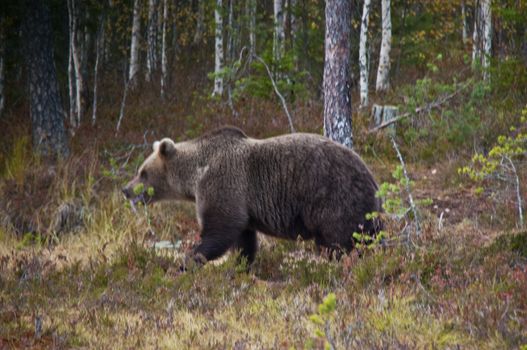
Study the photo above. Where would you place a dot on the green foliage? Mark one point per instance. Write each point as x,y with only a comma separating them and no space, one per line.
19,161
139,188
502,161
322,318
394,195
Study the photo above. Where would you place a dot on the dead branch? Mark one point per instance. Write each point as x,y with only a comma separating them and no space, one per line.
427,108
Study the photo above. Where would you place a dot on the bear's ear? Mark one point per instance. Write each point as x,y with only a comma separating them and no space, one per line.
166,148
155,146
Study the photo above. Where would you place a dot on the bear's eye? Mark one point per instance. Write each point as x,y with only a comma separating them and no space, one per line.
144,175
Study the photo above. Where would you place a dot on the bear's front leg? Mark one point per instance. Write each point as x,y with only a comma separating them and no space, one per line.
220,230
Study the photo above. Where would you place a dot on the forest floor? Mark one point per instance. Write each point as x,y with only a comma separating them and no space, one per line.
462,283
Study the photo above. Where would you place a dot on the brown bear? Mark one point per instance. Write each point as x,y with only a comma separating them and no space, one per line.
286,186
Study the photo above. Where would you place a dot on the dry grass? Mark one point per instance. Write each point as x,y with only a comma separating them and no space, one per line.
104,286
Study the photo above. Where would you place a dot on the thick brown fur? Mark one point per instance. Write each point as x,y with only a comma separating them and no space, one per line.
287,186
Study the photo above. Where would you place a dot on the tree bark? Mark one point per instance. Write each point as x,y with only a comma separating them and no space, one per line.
164,58
251,13
151,58
218,61
75,68
337,85
134,45
99,45
476,44
486,10
383,72
464,19
363,54
199,22
278,42
2,65
47,115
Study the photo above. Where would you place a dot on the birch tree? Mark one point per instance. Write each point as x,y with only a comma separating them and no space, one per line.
164,58
99,46
278,38
251,15
218,60
134,46
482,36
45,106
464,20
337,85
487,37
76,72
151,57
363,54
383,72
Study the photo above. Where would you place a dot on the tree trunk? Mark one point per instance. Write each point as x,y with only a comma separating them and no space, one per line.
47,116
230,34
199,22
164,58
383,73
476,44
337,86
134,46
464,19
363,54
218,62
75,69
487,37
99,44
2,65
251,13
151,57
278,42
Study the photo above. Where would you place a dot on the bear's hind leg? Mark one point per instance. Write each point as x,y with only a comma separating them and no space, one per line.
248,245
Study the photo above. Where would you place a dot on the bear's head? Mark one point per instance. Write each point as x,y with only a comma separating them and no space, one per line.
152,181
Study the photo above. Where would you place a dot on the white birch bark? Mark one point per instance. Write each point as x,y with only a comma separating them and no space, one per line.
75,73
134,46
218,61
99,45
476,45
363,54
164,58
151,57
251,4
383,72
464,19
487,37
230,33
278,39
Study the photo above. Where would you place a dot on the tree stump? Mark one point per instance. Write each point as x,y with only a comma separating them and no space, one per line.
383,114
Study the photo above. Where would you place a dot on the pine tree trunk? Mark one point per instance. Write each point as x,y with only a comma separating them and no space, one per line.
134,45
383,72
218,61
278,39
151,58
99,45
47,115
486,10
363,54
164,58
337,85
199,22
